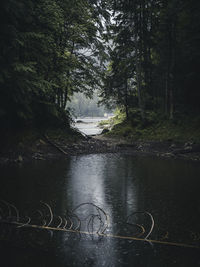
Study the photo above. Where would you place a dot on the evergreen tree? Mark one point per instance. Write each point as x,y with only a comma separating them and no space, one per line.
155,46
48,51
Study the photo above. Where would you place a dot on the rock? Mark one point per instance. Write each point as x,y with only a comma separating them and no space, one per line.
172,146
140,147
37,156
188,144
105,130
168,155
188,147
19,159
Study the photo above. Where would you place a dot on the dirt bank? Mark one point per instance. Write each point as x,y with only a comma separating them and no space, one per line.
47,148
166,149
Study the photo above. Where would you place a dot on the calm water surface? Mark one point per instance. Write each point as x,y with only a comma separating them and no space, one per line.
120,184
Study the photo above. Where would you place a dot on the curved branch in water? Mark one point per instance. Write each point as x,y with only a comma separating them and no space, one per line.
64,226
50,211
27,223
16,210
152,221
61,221
98,209
42,217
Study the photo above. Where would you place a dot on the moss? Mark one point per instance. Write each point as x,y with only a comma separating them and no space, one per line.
104,123
158,128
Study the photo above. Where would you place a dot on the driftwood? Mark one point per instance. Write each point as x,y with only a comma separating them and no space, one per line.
55,145
86,218
187,150
95,223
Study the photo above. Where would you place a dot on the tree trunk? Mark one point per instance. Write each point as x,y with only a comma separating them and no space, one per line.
65,97
126,100
166,90
172,68
171,104
138,78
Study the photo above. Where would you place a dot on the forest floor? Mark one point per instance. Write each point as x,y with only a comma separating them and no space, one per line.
57,144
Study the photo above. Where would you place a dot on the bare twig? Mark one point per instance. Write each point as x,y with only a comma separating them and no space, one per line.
50,211
16,210
65,224
143,229
61,221
25,224
98,221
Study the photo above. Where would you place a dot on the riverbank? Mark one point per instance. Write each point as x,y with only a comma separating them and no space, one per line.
37,145
154,128
57,144
34,144
156,135
163,149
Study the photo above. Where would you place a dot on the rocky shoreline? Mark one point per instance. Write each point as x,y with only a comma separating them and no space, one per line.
46,149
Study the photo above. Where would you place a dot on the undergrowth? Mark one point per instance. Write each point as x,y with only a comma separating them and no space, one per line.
155,127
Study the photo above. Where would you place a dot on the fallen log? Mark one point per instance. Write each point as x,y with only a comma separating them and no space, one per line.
55,145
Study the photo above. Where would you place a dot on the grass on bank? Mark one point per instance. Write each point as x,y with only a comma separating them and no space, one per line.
155,127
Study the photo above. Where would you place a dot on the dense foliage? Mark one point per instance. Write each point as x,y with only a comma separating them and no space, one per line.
48,51
154,56
51,49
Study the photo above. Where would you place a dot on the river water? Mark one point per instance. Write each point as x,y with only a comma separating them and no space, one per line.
89,125
120,185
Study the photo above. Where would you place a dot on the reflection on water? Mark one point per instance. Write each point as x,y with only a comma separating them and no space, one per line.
120,184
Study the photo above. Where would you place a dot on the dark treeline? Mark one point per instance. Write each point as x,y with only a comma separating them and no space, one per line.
49,50
155,59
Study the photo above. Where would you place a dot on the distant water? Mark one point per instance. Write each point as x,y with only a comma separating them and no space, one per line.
89,125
